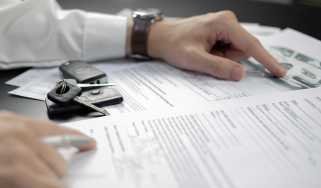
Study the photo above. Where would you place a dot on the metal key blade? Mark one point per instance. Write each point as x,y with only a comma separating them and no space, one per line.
95,85
91,106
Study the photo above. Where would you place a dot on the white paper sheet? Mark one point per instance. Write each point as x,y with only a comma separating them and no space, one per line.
30,75
297,41
157,85
271,141
36,83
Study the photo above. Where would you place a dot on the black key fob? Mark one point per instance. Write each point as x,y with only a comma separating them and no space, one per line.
82,72
102,97
64,93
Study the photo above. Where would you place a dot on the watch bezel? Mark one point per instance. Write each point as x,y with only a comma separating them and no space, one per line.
152,15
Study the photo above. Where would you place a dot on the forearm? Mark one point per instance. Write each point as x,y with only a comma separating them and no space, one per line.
36,32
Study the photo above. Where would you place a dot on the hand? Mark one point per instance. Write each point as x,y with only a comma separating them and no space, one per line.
212,44
24,160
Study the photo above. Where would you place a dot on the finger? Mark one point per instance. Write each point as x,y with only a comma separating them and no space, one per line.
252,47
216,66
261,55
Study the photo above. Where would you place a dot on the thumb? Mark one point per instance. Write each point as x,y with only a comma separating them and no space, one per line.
217,66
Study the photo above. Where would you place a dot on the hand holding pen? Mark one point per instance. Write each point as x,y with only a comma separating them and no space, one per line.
28,153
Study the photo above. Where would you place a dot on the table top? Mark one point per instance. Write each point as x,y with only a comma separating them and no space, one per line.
302,18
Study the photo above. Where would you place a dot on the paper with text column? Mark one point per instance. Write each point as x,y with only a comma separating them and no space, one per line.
271,141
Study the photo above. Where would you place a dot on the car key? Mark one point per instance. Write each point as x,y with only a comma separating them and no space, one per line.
66,92
83,72
101,97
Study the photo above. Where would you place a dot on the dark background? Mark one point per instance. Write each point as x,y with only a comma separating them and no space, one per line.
300,17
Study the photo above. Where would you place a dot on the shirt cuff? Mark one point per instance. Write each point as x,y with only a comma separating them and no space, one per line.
104,36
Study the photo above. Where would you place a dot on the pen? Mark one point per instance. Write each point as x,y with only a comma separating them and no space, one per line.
64,141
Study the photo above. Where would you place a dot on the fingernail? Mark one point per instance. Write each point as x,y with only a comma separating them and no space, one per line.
282,72
237,73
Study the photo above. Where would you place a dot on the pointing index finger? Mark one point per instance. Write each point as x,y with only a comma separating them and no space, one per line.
264,57
252,47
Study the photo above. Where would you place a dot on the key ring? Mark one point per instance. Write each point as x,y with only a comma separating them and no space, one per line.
62,87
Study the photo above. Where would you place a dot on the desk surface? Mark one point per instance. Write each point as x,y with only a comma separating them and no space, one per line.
302,18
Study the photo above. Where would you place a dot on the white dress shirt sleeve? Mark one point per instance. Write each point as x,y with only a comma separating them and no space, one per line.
40,33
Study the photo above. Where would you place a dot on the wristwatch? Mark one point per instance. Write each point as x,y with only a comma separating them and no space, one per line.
143,20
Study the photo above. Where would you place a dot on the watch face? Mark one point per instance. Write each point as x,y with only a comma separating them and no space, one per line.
150,14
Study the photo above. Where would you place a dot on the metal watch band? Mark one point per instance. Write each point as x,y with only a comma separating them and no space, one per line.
140,33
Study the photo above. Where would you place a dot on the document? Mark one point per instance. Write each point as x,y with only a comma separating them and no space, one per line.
297,41
261,31
156,84
270,141
30,75
35,83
